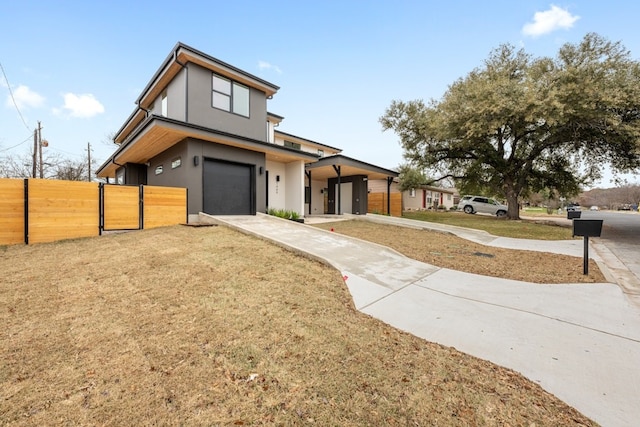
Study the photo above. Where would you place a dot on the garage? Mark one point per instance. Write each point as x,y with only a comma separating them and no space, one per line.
228,188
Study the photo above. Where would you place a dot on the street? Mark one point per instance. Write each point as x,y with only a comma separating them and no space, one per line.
621,234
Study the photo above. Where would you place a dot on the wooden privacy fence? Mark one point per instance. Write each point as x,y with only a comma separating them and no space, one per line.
378,203
36,210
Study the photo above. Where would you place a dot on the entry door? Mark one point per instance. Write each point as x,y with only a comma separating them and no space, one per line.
346,197
228,188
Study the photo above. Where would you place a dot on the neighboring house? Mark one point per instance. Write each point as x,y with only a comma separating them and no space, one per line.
428,197
203,124
425,197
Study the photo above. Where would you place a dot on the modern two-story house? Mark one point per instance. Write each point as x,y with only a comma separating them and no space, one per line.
203,124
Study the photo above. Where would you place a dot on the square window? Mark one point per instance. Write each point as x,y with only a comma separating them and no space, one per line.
159,169
176,163
222,85
221,101
229,96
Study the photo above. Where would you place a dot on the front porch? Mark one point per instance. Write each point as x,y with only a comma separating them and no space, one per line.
337,185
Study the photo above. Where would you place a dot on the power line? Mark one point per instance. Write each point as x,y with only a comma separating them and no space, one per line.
65,152
17,145
12,98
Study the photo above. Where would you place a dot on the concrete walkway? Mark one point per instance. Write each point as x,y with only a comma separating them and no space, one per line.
580,342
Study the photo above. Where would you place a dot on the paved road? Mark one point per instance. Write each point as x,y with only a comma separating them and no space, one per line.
621,234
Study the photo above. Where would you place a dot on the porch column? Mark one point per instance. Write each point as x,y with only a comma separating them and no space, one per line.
308,173
389,182
337,169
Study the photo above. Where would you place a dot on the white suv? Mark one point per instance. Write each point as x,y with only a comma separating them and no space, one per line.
473,204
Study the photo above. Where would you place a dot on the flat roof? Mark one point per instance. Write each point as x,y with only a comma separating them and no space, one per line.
325,168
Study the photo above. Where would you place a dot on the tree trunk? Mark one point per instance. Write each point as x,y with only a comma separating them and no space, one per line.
513,208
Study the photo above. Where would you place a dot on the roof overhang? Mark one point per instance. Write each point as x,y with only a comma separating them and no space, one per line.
438,189
181,56
156,134
325,168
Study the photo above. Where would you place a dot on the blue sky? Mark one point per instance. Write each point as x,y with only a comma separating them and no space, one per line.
78,66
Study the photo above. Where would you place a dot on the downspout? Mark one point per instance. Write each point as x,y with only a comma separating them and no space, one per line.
113,160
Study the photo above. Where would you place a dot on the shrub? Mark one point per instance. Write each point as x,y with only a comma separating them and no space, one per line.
283,213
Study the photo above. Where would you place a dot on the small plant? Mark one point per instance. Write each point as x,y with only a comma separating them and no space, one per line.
283,213
453,208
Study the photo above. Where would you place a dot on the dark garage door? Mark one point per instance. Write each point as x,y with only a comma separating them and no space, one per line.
228,188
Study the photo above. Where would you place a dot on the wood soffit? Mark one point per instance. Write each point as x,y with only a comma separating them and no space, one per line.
157,137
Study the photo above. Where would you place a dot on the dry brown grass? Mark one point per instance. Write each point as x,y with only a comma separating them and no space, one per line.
452,252
207,326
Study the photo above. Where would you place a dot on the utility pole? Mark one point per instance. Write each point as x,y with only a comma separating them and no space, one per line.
35,152
40,150
89,161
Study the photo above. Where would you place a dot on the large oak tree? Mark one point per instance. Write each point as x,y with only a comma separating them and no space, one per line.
521,124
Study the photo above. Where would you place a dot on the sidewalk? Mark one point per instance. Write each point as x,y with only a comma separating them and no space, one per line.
613,269
580,342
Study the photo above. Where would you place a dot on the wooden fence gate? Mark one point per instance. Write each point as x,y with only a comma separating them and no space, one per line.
38,210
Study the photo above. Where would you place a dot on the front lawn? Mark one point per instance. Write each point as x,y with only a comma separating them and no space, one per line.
523,229
208,326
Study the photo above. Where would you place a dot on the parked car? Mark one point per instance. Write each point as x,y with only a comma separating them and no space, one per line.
473,204
594,208
573,207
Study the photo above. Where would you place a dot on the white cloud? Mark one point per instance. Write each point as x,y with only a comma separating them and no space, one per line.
25,98
548,21
80,106
263,65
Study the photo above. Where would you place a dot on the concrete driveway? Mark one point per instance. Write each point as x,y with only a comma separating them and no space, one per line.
580,342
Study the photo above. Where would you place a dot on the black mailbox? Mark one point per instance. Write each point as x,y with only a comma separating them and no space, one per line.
587,227
573,214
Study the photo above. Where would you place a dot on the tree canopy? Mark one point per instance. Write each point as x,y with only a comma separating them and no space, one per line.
520,124
411,177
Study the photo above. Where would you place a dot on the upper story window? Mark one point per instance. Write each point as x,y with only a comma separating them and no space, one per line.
321,153
165,105
230,96
292,145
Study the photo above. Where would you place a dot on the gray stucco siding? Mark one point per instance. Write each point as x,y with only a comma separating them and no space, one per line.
176,98
202,113
190,175
171,177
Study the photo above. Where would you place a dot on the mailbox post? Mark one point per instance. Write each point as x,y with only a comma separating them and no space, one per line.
587,228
